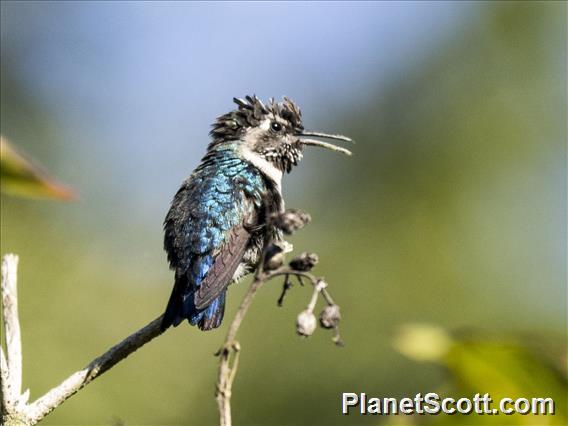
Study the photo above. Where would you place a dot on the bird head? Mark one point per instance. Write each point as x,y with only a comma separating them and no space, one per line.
270,134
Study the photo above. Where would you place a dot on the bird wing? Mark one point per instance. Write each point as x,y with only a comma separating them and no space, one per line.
206,232
224,266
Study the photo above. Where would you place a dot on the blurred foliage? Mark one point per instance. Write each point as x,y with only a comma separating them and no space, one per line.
452,211
22,177
496,365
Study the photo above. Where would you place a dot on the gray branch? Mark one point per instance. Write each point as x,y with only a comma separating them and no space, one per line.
11,363
15,407
12,322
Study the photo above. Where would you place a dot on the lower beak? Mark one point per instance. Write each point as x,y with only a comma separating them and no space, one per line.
314,142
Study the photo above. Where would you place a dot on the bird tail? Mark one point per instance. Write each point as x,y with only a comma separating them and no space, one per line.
173,316
213,314
182,306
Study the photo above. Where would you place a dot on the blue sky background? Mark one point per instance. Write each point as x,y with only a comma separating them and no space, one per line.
144,81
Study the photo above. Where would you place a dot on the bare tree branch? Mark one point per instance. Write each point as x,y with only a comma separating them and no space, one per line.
12,323
15,409
227,371
56,396
5,401
11,361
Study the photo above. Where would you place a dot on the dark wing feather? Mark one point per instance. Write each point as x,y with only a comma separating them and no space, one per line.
226,263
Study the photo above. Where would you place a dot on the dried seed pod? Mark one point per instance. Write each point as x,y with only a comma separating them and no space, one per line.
292,220
304,262
274,258
306,323
275,254
330,316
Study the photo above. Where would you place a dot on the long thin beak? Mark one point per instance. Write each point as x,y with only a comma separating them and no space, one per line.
327,136
315,142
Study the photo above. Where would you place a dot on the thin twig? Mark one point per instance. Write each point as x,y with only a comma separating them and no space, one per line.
56,396
314,298
327,296
285,287
231,348
227,372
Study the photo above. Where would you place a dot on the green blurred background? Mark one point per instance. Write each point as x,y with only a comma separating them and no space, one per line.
451,213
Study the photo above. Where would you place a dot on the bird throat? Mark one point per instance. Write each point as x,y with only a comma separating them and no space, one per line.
267,168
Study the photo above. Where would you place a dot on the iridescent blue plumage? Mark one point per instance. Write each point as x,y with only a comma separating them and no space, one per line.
222,194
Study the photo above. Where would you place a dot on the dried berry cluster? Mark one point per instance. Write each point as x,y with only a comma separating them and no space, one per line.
291,220
300,267
329,317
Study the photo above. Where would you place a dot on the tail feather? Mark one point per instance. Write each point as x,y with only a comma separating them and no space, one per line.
173,316
181,305
213,315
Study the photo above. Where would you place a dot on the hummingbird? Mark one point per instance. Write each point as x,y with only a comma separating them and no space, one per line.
218,221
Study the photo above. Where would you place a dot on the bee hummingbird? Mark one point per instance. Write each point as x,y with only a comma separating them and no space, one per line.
217,223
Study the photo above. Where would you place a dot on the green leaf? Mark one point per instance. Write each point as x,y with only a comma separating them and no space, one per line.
22,177
507,369
501,366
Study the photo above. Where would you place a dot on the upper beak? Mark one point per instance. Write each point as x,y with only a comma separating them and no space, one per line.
315,142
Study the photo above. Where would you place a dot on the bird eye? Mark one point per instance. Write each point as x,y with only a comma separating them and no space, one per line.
276,126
